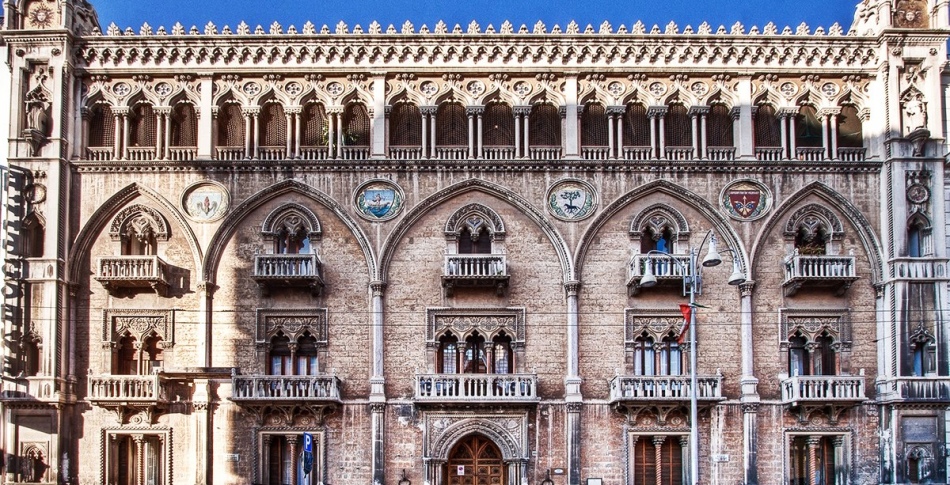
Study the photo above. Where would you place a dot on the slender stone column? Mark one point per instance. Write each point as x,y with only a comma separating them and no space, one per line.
793,149
288,142
201,401
139,441
479,129
339,132
118,114
834,135
783,124
377,396
264,472
813,442
658,457
125,135
704,143
825,143
749,384
574,443
159,132
378,413
292,444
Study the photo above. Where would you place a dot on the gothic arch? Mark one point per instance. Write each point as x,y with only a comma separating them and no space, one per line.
723,229
647,219
851,213
475,185
510,445
462,219
271,224
825,216
231,223
155,218
106,212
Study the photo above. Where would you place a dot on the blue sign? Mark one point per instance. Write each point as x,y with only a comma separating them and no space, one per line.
307,443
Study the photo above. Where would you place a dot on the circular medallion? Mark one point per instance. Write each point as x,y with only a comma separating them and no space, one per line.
699,88
251,88
334,89
205,201
378,200
657,89
293,88
571,200
428,88
829,89
163,89
121,89
746,200
41,17
918,194
476,88
788,89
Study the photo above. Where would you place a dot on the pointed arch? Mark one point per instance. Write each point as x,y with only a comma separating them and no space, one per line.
106,213
656,219
460,220
509,444
488,188
866,236
238,214
723,229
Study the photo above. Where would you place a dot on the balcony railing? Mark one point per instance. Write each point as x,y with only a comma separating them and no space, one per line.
920,269
140,154
287,389
126,389
769,154
288,270
822,390
912,389
718,154
667,272
680,154
454,152
230,153
820,271
595,152
852,154
480,270
34,389
810,154
354,152
272,153
182,154
477,388
314,152
405,152
544,152
100,154
653,389
115,272
498,152
637,153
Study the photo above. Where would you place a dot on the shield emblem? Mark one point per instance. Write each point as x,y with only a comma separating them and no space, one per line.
745,203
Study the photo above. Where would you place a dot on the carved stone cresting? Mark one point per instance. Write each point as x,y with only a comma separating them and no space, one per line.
814,218
139,324
656,219
487,321
656,324
812,324
475,217
139,221
292,323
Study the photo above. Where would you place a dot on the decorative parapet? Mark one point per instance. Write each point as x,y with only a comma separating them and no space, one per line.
477,388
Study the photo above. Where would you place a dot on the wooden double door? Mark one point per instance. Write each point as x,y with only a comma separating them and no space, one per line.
475,461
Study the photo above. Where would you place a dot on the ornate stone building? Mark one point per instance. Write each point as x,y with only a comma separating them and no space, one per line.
457,255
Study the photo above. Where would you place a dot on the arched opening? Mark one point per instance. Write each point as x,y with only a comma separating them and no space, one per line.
307,355
405,126
314,126
475,460
452,129
279,356
811,238
594,126
138,237
101,126
767,127
719,127
679,132
355,125
636,126
918,231
34,236
230,127
292,237
142,124
850,130
127,356
152,353
544,126
499,125
273,126
477,243
184,126
448,354
808,128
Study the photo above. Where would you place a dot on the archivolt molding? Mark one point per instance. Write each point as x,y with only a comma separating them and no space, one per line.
724,231
237,215
77,266
503,194
851,213
271,225
507,431
653,215
463,218
463,321
823,93
827,218
155,219
128,90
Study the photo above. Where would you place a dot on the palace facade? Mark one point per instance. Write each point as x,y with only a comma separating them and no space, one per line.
466,255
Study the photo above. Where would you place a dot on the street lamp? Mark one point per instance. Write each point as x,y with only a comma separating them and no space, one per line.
692,282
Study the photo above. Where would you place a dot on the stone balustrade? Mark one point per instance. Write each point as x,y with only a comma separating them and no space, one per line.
920,269
105,389
928,389
769,154
819,271
718,154
261,388
822,389
664,388
637,153
469,388
475,265
663,268
115,272
680,154
595,152
288,270
544,152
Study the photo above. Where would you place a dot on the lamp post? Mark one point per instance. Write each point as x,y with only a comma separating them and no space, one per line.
692,284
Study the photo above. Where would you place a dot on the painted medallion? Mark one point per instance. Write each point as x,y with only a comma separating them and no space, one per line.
746,200
378,200
571,200
205,201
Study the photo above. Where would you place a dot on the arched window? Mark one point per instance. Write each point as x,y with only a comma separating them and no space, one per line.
594,126
811,238
474,360
501,356
917,232
636,126
127,356
452,129
142,124
152,354
816,358
644,363
101,126
808,128
184,131
544,125
139,236
499,125
273,125
719,125
279,356
671,358
405,125
768,130
448,355
679,132
850,130
292,238
355,125
314,126
478,242
230,126
307,355
34,236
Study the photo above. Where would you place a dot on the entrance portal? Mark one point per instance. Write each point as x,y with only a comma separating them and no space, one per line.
474,461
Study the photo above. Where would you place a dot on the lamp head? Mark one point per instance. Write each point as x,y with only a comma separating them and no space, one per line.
648,279
712,256
737,277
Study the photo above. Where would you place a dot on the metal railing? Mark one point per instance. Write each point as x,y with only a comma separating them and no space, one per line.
476,387
664,388
820,389
285,388
475,266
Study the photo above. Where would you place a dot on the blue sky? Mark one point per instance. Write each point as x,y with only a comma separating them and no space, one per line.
132,13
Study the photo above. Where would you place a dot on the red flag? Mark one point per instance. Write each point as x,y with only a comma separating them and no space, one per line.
687,314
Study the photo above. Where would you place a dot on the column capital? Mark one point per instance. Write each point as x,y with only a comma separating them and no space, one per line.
378,287
572,288
746,287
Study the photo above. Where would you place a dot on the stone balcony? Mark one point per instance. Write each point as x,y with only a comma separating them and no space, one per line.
288,271
471,389
128,394
116,273
820,271
663,394
36,390
668,273
286,395
913,389
920,269
831,393
475,270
